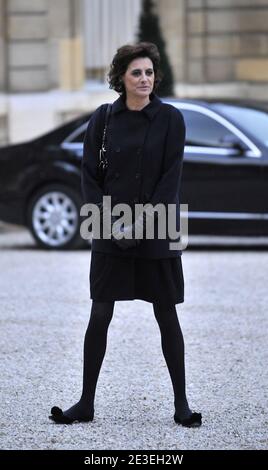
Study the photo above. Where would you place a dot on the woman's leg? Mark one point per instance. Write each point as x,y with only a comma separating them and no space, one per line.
94,351
173,349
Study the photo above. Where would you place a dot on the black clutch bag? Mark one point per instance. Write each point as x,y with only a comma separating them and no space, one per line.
103,162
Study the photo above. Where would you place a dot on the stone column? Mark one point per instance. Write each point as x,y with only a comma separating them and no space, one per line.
65,50
3,65
27,45
172,20
195,32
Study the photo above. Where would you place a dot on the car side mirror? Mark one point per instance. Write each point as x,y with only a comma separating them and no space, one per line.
231,141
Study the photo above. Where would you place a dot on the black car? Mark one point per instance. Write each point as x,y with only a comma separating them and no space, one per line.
225,175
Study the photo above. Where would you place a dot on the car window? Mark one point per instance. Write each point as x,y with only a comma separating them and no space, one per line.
252,120
77,136
202,130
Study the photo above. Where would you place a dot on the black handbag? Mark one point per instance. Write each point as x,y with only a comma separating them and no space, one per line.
103,162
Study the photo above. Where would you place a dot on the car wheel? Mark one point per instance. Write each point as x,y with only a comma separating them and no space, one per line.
54,217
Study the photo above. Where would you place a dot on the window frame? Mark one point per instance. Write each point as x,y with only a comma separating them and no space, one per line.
253,151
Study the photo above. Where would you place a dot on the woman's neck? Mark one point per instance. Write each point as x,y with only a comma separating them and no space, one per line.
136,104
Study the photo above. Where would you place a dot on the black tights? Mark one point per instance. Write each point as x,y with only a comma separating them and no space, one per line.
173,349
95,347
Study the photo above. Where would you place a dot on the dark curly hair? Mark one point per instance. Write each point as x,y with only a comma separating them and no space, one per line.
125,55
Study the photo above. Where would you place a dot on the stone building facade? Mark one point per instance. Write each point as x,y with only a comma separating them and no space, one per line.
217,47
54,54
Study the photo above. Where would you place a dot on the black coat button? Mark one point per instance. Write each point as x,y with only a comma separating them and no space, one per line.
138,175
139,151
117,175
118,149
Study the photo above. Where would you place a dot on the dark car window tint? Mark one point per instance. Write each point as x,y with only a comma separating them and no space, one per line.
203,130
253,120
79,138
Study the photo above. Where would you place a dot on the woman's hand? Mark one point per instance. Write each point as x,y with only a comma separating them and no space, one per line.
119,229
133,233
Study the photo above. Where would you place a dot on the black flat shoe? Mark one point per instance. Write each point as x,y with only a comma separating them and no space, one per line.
58,417
194,421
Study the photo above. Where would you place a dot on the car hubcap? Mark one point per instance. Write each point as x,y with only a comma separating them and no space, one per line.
55,218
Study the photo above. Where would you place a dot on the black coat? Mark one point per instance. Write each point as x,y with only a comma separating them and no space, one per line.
145,154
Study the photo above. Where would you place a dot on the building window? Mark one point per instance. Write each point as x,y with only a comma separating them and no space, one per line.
108,24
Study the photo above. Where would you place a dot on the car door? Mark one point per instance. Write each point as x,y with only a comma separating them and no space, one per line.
219,182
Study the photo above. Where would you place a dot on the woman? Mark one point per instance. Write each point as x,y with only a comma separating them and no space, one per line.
145,143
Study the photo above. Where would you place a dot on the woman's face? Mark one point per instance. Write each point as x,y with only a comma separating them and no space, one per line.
139,78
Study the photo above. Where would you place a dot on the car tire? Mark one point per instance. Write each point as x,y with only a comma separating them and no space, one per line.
54,217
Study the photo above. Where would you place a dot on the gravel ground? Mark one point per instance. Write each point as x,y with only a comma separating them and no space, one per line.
44,313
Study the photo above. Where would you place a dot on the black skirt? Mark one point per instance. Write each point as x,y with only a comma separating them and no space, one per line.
127,278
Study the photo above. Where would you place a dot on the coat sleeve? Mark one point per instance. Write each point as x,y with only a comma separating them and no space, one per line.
91,191
167,188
